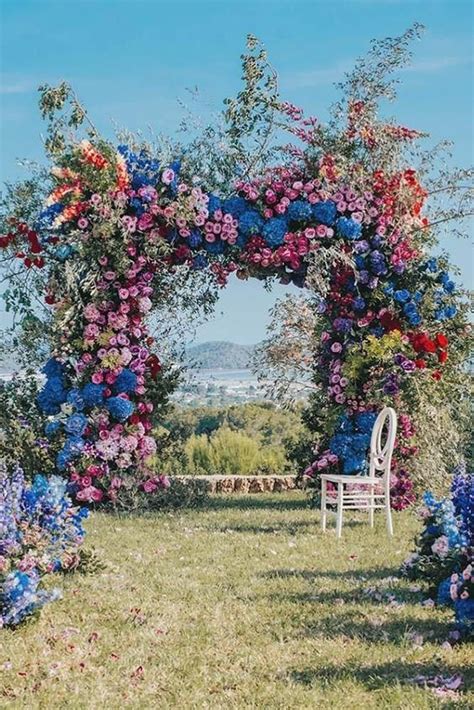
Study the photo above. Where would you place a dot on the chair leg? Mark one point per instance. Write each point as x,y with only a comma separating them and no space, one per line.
324,510
371,506
388,513
340,497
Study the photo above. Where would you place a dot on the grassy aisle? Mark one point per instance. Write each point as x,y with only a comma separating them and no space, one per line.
242,605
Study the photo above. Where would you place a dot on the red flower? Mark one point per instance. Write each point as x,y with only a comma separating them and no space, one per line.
154,365
436,375
421,364
442,356
389,322
429,346
441,340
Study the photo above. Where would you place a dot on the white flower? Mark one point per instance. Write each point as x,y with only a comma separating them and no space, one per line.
440,546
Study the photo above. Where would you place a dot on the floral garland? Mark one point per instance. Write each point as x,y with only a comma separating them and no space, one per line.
40,533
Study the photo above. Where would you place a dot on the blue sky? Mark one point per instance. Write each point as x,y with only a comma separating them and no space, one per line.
130,60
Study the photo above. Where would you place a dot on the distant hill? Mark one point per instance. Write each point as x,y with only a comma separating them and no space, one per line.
219,355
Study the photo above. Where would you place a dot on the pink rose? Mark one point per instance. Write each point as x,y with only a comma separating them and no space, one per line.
149,486
167,176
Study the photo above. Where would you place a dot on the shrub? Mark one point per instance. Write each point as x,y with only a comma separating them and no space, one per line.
231,452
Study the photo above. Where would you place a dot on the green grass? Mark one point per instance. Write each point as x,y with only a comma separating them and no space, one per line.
244,604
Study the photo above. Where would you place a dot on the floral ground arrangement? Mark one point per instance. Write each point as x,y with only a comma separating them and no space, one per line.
443,559
241,604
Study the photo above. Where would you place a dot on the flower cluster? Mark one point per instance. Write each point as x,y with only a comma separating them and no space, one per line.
40,533
443,558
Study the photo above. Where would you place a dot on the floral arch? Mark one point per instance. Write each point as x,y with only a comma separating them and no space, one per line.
345,224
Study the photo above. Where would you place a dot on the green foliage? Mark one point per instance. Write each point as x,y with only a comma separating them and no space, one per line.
22,436
180,494
251,115
230,452
248,438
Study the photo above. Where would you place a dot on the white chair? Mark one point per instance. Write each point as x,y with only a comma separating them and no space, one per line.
373,490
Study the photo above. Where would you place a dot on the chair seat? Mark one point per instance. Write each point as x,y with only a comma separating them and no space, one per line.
364,480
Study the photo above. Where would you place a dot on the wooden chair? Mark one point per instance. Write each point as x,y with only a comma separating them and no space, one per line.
373,490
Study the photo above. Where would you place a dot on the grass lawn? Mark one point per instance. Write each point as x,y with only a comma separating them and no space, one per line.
243,604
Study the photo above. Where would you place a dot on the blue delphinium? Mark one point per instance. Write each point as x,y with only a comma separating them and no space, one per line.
120,408
126,381
72,448
446,522
274,231
299,211
44,507
348,228
325,212
462,490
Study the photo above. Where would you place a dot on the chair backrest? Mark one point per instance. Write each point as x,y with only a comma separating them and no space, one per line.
381,451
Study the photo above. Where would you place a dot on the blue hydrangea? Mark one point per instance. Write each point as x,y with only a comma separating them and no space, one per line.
120,408
75,398
125,382
75,424
214,204
53,368
194,239
274,231
48,215
216,247
299,211
51,428
359,304
402,295
63,252
250,222
235,206
52,396
200,261
348,228
343,325
325,212
432,265
92,394
365,421
443,596
378,264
